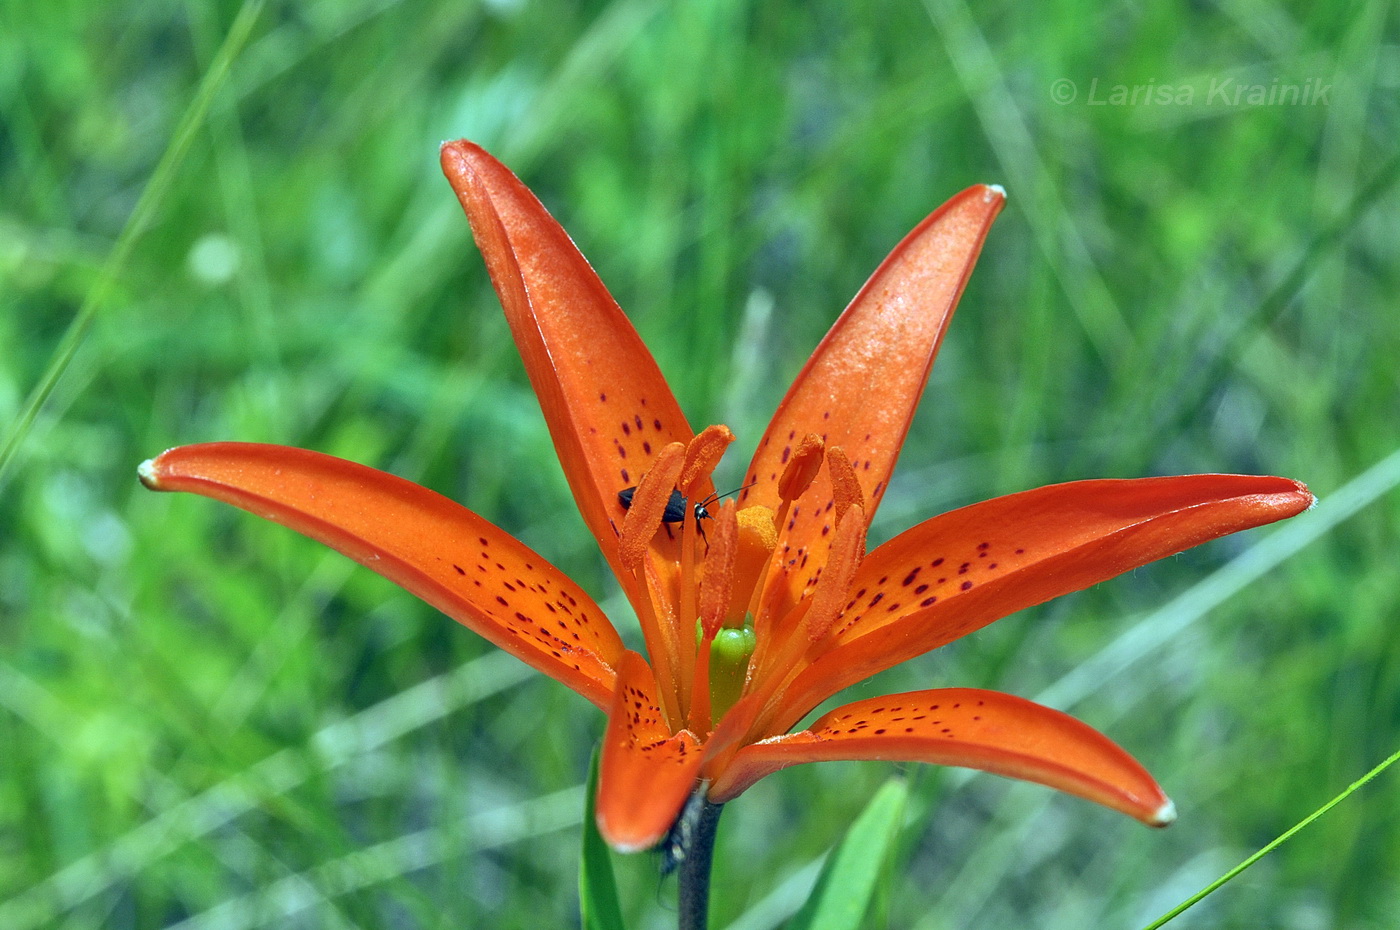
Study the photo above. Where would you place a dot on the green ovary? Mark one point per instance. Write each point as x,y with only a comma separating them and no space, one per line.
729,666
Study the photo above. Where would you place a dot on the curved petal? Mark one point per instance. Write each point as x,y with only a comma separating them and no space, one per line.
966,727
646,774
960,571
861,385
608,408
468,568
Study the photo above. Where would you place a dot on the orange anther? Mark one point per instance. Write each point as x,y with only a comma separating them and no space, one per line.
802,468
648,506
845,487
702,455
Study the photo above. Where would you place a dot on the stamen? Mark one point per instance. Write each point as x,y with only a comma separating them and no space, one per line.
833,587
649,501
664,650
715,597
801,469
658,623
789,640
701,456
845,486
718,582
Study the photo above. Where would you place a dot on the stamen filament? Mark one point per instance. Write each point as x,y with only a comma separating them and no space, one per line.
639,528
661,645
715,595
687,609
797,477
701,718
812,619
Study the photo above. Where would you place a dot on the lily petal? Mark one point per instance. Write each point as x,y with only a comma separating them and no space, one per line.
646,773
959,571
608,408
463,565
985,730
861,385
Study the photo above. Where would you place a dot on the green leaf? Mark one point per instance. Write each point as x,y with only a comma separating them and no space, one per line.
597,889
848,879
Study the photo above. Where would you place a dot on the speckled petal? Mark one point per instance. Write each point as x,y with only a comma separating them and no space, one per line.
964,569
646,773
434,548
606,403
984,730
861,385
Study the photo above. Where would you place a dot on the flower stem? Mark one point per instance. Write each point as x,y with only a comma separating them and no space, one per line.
695,868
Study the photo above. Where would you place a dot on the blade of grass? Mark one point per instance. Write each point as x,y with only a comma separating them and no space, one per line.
136,225
597,888
1275,844
852,872
783,901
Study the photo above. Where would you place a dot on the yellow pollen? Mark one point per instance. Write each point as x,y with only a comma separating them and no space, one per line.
757,538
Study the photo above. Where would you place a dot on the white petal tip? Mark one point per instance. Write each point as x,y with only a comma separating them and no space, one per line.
1164,815
146,471
626,844
995,191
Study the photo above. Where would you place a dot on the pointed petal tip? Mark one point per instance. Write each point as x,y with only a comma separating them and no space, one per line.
1163,816
146,471
1296,498
451,153
459,146
994,192
458,155
1303,489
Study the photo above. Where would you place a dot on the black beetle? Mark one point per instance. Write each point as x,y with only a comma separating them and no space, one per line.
675,506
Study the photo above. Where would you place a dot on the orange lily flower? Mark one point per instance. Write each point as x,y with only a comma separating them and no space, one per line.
779,605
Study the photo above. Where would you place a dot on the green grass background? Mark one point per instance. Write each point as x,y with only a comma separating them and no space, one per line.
206,721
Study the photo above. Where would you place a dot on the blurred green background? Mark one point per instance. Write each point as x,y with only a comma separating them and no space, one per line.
207,721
